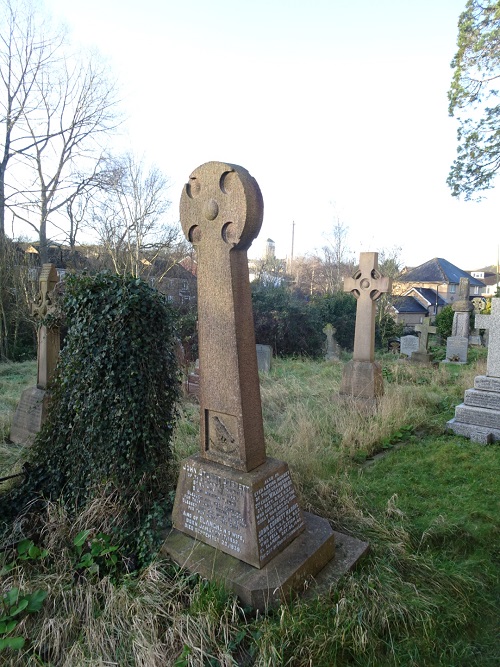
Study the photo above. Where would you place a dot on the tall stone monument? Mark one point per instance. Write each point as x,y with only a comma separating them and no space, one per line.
236,515
478,417
458,343
31,410
362,377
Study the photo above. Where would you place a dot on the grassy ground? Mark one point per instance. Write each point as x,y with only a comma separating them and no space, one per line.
427,594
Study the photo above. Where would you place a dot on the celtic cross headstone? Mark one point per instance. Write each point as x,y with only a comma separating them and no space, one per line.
362,377
233,501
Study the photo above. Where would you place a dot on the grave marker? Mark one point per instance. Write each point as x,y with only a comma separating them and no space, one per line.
458,343
362,377
422,356
236,516
478,417
331,344
31,410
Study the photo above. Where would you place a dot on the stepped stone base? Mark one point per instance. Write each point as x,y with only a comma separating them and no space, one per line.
318,553
29,415
478,417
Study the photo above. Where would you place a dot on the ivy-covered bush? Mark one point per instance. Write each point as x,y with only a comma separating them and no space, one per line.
113,406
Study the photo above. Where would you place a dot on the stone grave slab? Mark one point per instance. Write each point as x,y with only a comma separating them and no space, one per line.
409,345
456,349
29,416
264,357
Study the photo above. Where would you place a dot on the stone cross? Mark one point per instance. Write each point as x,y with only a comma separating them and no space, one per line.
367,285
48,337
492,323
221,214
329,332
424,329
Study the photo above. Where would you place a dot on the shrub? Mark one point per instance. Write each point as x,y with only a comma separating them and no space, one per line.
285,322
113,406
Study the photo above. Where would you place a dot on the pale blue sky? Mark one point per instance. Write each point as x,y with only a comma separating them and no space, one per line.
335,107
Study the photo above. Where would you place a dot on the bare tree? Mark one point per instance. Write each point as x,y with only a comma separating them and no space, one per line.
129,216
78,107
336,258
27,47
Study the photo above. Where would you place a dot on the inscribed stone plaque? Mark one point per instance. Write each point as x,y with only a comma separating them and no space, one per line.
264,356
456,349
409,344
252,516
482,399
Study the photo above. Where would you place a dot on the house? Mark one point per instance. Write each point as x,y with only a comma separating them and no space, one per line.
424,290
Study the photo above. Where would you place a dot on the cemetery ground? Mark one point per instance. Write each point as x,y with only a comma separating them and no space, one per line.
426,501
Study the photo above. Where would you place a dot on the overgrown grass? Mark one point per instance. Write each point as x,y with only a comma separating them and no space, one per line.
427,501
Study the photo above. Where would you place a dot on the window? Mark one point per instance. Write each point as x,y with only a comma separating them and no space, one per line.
452,289
476,289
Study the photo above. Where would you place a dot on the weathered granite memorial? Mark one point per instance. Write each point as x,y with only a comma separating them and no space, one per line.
236,515
264,357
478,417
409,345
421,356
332,348
32,408
458,343
362,377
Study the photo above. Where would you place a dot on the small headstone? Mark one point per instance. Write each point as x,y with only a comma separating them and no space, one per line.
409,345
264,357
236,515
421,355
332,351
478,417
32,409
362,377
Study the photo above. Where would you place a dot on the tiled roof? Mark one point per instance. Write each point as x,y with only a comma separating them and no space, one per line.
407,304
437,270
429,295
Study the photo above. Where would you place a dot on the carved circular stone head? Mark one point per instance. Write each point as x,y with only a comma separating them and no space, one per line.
223,201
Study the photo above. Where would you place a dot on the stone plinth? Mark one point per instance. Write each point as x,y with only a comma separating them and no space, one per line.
318,553
29,415
251,516
478,417
362,379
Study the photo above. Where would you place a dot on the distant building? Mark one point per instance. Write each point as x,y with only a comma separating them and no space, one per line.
424,290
